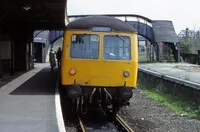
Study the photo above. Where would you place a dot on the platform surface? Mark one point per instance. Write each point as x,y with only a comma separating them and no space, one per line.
185,71
27,104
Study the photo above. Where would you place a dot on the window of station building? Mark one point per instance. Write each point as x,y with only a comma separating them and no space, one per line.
117,48
84,46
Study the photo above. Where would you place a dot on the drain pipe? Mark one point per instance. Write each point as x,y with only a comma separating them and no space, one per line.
198,57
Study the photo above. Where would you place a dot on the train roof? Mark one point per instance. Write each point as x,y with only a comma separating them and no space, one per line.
101,21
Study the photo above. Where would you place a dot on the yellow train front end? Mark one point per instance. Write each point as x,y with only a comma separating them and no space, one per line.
94,68
99,65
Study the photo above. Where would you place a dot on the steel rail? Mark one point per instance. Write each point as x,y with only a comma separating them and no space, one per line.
126,127
82,128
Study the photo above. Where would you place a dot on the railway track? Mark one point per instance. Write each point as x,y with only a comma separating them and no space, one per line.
116,125
83,124
81,127
122,125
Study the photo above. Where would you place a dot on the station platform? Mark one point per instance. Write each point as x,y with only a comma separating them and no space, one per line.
184,73
30,102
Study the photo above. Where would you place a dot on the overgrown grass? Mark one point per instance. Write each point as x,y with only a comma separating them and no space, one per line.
178,104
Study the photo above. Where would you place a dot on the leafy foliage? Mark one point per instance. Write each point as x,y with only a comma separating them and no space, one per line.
189,45
179,105
186,44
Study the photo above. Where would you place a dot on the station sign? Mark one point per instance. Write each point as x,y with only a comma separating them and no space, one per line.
101,29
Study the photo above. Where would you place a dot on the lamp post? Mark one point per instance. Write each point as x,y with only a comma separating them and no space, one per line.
178,51
198,57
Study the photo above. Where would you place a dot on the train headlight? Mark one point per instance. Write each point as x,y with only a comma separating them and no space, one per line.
126,73
72,72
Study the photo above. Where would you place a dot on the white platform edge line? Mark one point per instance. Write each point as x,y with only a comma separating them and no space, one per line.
59,115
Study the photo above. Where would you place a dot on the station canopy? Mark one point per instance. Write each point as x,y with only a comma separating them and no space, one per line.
36,14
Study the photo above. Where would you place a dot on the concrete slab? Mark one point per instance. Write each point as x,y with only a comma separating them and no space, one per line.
183,71
27,104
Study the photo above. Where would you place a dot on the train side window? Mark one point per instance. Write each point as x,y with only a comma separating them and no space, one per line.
84,46
117,47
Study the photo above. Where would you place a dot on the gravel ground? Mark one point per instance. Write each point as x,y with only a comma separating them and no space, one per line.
146,115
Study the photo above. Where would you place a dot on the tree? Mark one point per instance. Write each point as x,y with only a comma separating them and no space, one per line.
186,44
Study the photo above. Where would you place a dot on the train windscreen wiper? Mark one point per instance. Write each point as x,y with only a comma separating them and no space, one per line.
122,39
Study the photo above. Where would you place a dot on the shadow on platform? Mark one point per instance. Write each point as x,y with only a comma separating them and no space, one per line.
43,83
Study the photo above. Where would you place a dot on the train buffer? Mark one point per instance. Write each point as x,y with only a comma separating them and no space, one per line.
28,103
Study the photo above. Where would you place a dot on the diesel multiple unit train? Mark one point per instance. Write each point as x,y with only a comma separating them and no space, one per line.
99,63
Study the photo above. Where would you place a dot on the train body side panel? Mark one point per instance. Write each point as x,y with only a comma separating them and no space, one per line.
99,72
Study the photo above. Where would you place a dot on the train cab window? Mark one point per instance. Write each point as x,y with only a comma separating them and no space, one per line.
117,47
84,46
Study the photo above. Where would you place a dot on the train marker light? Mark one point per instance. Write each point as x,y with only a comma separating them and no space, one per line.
72,72
126,73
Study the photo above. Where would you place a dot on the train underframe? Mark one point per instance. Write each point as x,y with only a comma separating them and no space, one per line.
100,98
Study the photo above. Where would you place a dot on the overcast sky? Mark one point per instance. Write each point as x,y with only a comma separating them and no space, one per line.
180,12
